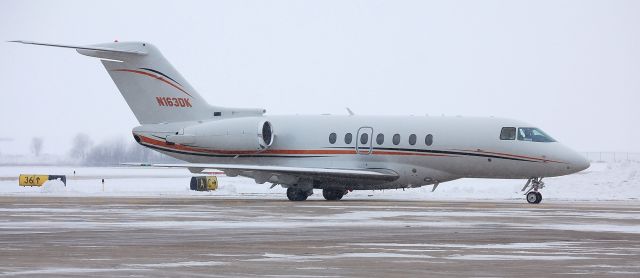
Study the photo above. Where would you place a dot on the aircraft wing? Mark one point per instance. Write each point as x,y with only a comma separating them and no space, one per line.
263,173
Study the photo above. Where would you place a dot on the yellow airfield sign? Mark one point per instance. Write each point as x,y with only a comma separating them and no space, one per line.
33,180
39,180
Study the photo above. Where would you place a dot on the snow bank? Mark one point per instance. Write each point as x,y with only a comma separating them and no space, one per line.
53,186
602,181
84,172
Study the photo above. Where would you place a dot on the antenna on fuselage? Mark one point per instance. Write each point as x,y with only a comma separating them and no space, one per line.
435,185
350,112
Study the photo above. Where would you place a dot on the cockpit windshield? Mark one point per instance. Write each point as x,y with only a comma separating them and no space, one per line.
533,134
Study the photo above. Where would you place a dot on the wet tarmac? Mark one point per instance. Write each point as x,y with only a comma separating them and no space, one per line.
210,237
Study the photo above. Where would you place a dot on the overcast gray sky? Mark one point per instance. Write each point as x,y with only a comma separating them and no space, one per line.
569,67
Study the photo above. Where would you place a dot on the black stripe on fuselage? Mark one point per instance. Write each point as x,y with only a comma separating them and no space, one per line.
360,148
443,152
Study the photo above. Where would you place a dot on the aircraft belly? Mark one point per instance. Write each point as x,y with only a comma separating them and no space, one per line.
411,171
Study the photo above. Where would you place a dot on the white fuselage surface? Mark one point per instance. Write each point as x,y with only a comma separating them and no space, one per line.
459,147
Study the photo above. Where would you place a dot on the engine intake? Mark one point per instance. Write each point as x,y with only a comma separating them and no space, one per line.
266,134
247,134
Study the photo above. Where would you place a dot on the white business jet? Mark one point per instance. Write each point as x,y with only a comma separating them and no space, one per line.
337,154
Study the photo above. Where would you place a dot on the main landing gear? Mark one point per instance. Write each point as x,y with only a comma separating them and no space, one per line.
333,194
532,194
297,194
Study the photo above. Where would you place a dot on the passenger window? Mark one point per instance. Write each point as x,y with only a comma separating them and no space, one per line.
364,138
412,139
348,138
533,134
380,139
332,138
428,140
396,139
508,133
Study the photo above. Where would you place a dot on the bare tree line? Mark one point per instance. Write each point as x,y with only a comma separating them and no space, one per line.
112,152
36,145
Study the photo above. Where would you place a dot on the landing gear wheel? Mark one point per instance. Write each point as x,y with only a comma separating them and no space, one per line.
539,197
296,194
534,197
332,194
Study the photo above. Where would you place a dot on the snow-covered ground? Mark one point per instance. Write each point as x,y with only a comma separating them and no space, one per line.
602,181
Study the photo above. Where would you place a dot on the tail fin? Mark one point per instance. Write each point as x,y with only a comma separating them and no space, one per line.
153,89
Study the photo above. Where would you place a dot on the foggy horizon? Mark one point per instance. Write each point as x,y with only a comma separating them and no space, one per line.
571,68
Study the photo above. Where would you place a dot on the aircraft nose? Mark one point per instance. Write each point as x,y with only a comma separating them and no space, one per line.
579,163
582,164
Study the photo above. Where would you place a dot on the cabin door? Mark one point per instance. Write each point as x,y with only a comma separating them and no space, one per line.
364,140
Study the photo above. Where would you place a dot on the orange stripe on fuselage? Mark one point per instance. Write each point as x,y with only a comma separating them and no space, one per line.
156,77
160,143
163,144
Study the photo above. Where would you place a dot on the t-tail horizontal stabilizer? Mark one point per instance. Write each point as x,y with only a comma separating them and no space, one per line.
88,47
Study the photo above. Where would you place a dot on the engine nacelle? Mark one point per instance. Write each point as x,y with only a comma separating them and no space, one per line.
250,134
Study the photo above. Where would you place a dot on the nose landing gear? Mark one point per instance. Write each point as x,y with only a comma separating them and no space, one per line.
534,197
532,194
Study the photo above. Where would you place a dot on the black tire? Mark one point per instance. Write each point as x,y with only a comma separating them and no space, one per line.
534,197
193,183
296,194
332,194
539,197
